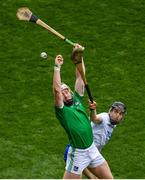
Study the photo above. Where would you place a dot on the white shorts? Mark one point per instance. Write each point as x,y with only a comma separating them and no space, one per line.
79,159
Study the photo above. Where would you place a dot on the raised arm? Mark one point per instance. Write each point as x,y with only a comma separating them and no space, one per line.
77,56
79,84
93,114
58,98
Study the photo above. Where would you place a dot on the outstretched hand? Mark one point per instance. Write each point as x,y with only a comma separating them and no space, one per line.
78,46
92,105
77,54
59,60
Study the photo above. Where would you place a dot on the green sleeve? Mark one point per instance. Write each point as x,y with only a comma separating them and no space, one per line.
60,114
76,95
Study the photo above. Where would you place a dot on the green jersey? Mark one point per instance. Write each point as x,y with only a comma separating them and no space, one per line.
76,123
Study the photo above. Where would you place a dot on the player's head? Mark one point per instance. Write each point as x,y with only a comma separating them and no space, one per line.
67,94
117,112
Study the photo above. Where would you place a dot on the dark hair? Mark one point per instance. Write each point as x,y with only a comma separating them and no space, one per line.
120,106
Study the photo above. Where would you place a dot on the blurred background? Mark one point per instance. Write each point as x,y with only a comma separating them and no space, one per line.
32,142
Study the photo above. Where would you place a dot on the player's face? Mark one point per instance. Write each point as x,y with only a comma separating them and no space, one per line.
66,95
116,115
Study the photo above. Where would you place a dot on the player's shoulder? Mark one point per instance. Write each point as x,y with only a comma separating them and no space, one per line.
104,116
76,95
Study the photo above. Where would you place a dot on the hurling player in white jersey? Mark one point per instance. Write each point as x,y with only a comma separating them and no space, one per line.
103,125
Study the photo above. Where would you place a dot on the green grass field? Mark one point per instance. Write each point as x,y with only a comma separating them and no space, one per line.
113,31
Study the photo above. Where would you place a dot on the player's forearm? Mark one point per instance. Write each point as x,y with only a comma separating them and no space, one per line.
93,114
77,72
94,117
79,84
57,79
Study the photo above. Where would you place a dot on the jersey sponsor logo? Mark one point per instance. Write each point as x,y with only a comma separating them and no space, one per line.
75,168
77,103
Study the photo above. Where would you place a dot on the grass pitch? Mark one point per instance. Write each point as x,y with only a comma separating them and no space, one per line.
31,140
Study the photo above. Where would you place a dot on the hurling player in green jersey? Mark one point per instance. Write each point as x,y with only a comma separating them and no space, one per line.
72,116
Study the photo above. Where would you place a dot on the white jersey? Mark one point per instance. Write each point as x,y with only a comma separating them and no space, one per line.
102,132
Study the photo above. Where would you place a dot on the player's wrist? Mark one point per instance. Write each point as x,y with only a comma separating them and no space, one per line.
57,67
93,111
